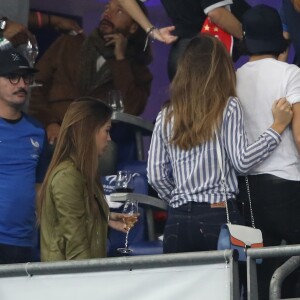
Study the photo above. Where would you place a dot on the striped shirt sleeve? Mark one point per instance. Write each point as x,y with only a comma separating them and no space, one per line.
159,168
180,176
242,155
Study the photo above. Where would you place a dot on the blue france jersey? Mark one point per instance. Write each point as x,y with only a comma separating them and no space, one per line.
23,163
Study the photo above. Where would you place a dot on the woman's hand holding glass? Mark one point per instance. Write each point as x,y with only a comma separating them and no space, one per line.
130,217
116,222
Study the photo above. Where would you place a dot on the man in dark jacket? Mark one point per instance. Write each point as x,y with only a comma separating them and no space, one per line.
188,17
111,57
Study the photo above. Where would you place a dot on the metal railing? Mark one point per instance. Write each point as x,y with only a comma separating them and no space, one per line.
227,257
30,275
292,251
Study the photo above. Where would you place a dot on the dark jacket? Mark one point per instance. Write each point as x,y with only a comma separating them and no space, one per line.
59,72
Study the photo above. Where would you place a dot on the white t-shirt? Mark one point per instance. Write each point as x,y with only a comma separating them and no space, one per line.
259,84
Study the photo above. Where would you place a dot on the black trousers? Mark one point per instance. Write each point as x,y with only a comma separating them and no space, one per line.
276,209
10,254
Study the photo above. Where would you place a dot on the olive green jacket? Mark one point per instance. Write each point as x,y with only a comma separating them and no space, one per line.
68,229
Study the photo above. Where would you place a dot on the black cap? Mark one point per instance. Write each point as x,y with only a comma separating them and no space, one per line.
13,62
263,31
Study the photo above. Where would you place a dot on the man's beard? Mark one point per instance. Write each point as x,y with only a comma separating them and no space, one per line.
114,30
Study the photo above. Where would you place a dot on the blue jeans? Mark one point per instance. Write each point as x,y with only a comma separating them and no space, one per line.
196,226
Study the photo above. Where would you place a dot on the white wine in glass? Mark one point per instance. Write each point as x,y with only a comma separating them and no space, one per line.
130,211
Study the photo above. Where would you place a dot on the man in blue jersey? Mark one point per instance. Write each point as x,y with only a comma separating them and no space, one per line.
23,160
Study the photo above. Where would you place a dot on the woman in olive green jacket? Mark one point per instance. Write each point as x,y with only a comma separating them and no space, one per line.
72,210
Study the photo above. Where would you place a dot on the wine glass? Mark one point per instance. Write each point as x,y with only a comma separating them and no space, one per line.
130,214
115,100
122,184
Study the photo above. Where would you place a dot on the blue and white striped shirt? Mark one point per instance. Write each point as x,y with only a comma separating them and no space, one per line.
181,176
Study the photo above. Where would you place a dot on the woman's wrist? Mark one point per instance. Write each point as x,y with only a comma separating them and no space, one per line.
279,128
150,32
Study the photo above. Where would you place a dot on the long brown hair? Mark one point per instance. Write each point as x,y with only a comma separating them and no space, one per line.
204,81
76,142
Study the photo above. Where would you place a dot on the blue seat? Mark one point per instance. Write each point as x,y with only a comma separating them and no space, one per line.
142,237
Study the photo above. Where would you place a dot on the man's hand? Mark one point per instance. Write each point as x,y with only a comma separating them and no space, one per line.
17,33
119,41
52,133
65,25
